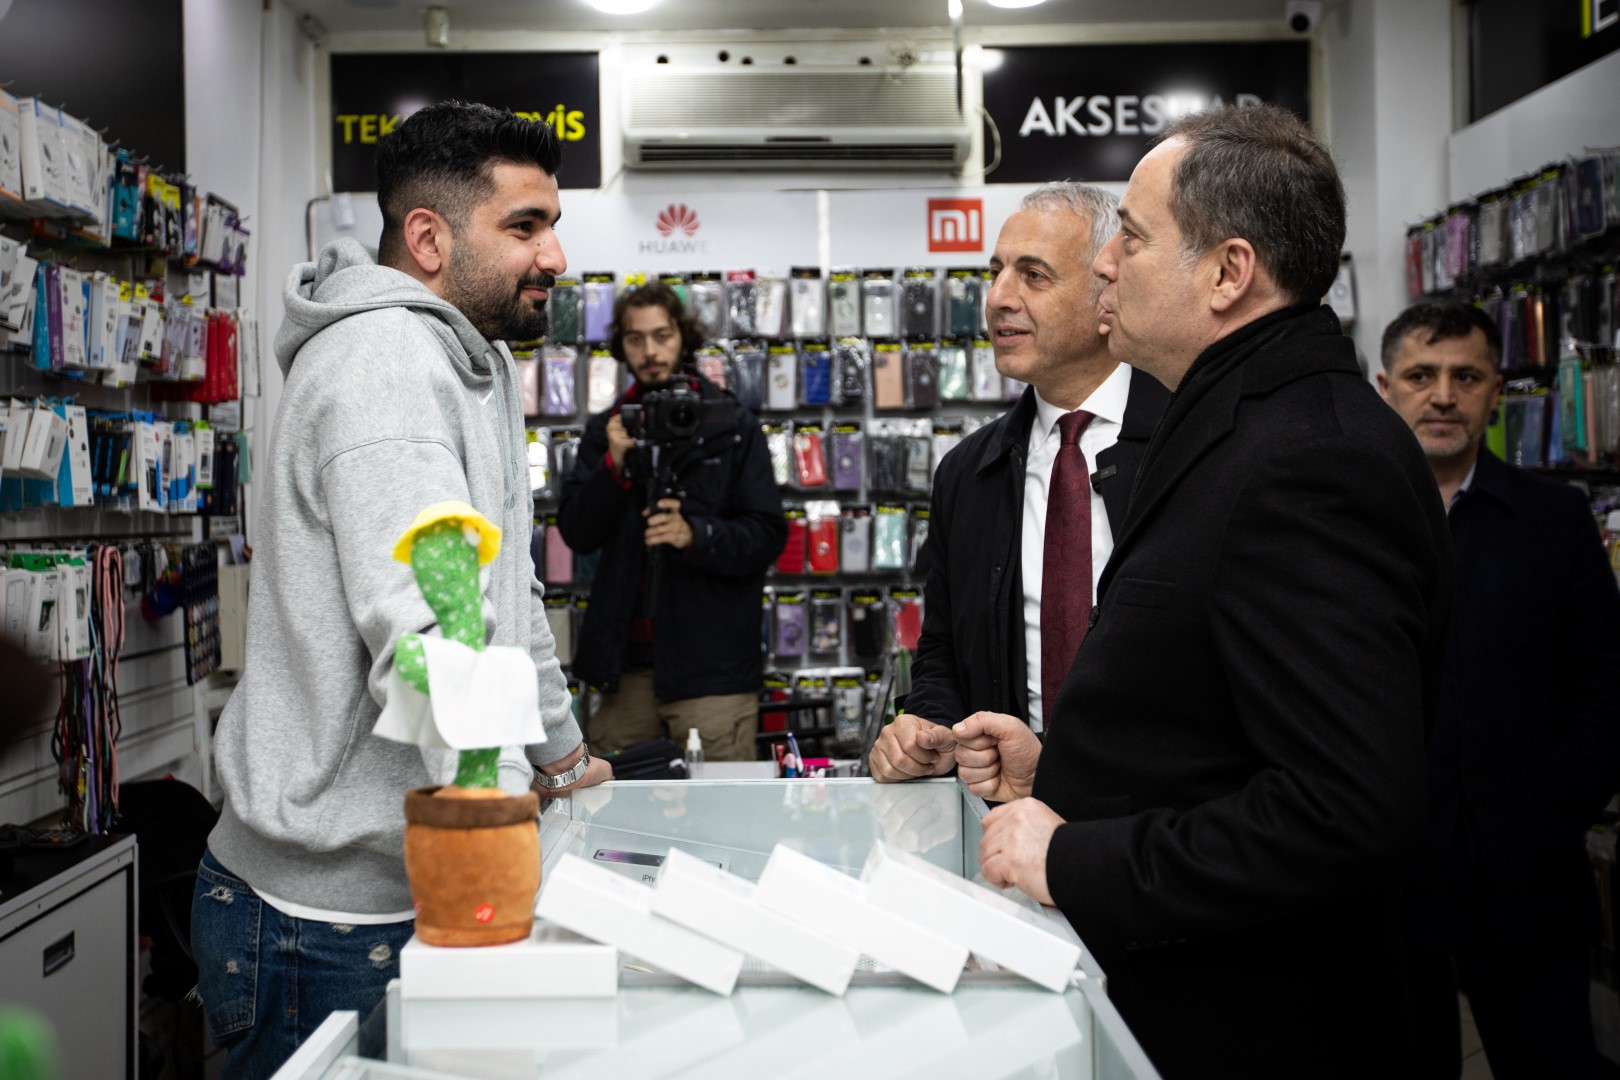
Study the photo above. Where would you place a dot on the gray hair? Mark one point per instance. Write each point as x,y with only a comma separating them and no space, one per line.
1094,204
1255,172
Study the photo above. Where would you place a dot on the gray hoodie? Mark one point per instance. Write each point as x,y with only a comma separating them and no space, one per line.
393,402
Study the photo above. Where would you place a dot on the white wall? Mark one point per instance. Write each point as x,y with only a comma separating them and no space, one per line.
1388,66
1579,111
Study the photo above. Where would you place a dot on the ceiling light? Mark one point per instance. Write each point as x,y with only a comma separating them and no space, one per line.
621,7
953,10
436,27
1014,3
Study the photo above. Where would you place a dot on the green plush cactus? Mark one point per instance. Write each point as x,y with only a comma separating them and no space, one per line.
445,546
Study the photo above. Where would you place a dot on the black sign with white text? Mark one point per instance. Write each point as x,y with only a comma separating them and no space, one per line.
372,93
1089,112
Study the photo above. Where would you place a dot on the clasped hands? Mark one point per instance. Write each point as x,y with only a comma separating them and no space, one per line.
995,756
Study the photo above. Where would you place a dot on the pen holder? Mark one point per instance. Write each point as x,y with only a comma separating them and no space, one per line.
473,859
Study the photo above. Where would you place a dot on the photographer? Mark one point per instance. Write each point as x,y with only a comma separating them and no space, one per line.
671,635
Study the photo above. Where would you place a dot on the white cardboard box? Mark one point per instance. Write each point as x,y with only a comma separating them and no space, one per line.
10,158
725,907
832,903
551,962
47,436
987,923
606,906
74,484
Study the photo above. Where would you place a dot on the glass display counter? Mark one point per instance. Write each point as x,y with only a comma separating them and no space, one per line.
995,1024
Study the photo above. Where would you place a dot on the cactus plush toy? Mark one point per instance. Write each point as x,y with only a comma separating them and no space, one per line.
452,691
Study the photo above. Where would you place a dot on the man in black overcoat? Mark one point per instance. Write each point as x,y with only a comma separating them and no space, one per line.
1232,778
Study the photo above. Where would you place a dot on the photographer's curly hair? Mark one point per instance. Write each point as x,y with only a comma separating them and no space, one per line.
656,294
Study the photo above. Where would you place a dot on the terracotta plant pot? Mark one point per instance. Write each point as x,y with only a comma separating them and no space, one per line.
473,860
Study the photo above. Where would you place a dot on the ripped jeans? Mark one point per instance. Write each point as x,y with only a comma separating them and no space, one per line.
268,980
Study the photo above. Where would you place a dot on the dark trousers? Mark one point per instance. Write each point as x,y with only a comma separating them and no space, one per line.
1531,1005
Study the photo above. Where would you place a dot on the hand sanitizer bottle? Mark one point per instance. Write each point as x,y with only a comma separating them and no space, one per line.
694,753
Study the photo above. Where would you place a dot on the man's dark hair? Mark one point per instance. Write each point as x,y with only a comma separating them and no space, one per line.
1440,320
442,159
655,294
1255,172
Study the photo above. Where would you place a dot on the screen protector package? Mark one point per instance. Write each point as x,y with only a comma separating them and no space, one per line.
748,374
884,445
855,539
962,301
846,452
878,315
947,434
826,622
817,361
889,526
741,299
771,308
868,623
558,396
888,375
919,303
922,375
598,307
954,384
850,362
559,557
528,381
843,303
821,530
792,616
807,295
782,377
707,295
917,456
849,702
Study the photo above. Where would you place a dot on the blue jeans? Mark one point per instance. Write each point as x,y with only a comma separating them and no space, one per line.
268,980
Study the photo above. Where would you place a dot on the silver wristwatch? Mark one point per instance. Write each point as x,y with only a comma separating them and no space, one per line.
570,776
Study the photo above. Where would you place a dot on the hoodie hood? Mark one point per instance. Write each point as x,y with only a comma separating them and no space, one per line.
347,281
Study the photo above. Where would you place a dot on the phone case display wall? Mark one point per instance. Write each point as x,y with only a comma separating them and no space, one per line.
1539,256
124,353
860,379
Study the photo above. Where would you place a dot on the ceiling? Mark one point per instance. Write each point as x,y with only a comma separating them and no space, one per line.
359,16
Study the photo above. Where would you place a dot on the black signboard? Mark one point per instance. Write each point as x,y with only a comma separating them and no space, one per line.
372,93
1517,48
117,65
1089,112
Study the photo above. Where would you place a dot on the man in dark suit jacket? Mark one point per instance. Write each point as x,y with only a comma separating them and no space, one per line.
1526,751
1233,777
992,493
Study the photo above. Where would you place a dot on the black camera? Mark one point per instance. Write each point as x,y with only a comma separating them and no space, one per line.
675,414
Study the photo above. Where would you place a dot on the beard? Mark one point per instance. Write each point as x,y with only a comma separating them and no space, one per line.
493,303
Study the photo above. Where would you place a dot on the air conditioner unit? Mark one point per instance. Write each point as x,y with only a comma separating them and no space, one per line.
793,118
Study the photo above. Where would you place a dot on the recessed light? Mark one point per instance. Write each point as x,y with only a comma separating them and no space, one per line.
1014,3
621,7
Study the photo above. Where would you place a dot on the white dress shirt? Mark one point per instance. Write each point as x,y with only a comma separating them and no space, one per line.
1107,407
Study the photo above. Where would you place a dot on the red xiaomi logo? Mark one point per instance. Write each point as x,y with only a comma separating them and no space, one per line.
955,225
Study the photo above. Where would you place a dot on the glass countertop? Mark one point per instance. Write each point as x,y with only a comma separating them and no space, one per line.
995,1024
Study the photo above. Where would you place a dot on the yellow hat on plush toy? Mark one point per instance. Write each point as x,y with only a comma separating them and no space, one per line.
489,534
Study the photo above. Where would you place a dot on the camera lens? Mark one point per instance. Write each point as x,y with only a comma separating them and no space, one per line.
683,417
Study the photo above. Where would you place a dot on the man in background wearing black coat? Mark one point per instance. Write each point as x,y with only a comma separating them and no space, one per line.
1232,778
678,649
1526,751
992,493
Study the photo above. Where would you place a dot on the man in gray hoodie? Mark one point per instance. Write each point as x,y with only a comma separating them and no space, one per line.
399,394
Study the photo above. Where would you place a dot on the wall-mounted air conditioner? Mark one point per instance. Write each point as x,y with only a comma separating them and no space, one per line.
679,117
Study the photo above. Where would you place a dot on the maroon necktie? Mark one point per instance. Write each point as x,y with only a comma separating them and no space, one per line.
1066,563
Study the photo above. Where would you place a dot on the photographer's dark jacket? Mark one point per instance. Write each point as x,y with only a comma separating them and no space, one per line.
706,620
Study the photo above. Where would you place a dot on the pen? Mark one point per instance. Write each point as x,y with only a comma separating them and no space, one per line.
792,765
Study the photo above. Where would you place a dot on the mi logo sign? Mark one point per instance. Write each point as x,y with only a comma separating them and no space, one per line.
955,224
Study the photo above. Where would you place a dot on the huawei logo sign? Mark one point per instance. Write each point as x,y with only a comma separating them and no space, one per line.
677,218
